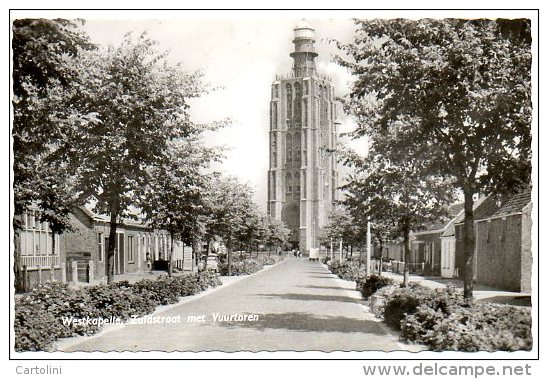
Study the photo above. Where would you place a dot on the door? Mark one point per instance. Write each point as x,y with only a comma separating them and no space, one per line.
448,257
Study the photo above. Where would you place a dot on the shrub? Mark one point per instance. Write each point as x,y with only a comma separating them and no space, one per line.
39,315
406,301
372,284
347,270
160,291
266,260
476,327
245,267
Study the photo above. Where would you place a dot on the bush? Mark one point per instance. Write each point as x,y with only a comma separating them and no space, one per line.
372,284
266,260
245,267
406,301
347,270
477,327
39,315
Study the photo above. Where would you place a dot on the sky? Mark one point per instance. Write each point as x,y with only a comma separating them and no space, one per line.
240,56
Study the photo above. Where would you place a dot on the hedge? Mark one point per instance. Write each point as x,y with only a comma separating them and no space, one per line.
443,320
372,284
39,315
347,270
241,267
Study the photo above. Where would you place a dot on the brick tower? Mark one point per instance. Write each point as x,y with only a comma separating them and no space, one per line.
302,175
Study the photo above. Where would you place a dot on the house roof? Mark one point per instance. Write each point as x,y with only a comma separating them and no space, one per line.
453,211
459,218
106,219
498,206
515,204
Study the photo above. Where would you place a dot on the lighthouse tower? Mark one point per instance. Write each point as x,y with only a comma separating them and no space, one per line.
302,175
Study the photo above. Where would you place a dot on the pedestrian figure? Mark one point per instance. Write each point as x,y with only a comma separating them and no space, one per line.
149,262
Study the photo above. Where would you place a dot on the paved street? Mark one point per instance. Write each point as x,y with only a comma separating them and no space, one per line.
299,306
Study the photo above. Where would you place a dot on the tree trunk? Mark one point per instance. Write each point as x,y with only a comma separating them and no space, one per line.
229,252
18,279
170,260
381,246
407,256
192,254
109,261
469,242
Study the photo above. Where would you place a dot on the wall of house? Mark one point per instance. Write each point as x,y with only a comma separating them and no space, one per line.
427,248
83,239
498,244
526,251
91,237
395,251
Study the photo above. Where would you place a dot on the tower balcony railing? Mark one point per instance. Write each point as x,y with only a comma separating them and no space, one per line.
292,75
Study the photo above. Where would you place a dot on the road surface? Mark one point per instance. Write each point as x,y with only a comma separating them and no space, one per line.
297,305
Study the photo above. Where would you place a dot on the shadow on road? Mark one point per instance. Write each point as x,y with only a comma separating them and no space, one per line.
326,276
308,297
307,322
325,288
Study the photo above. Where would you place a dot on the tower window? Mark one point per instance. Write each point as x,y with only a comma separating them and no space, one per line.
289,101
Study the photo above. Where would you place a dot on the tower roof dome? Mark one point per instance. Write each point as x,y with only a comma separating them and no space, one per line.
303,30
303,24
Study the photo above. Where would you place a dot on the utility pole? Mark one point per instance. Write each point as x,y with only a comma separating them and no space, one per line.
331,249
368,250
340,251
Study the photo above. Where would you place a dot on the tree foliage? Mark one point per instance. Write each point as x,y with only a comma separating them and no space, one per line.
459,90
173,198
116,117
39,47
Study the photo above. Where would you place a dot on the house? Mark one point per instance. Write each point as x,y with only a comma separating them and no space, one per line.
82,251
449,267
38,258
483,208
134,239
427,245
503,245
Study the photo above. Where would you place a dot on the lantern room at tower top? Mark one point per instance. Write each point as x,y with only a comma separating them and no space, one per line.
303,174
304,53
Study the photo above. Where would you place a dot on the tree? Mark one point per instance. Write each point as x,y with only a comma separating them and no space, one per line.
40,178
277,233
342,226
173,198
231,211
39,47
395,189
461,89
118,113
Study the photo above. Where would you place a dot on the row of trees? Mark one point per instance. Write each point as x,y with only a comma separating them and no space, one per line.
110,126
446,107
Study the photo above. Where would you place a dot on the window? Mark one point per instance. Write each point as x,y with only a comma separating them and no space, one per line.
36,237
503,223
100,247
289,101
130,249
